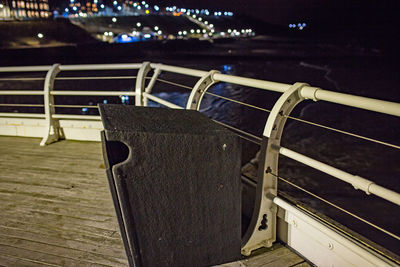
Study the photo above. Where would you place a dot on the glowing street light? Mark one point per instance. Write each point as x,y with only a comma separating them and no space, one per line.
114,19
138,24
40,35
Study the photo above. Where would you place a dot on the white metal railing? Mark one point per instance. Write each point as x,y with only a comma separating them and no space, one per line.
270,143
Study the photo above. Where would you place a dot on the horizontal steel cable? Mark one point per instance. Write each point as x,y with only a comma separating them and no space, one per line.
97,78
343,132
311,123
258,142
337,207
21,105
238,102
173,83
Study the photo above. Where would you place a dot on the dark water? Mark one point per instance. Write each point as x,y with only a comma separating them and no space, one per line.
375,77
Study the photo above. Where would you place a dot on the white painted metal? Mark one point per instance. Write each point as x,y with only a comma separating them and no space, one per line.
86,127
76,117
17,126
161,101
200,89
150,86
22,115
82,129
323,245
262,229
140,83
53,132
366,103
358,182
179,70
95,93
260,84
21,92
119,66
25,69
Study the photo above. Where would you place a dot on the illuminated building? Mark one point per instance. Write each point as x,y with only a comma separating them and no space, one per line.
84,7
4,10
23,9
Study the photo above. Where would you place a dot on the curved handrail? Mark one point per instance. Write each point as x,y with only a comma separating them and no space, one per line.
275,122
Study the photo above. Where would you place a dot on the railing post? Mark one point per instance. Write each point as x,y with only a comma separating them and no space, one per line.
199,90
140,82
149,87
53,131
262,228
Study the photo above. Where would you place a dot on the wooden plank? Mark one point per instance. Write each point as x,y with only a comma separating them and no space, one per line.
56,209
276,256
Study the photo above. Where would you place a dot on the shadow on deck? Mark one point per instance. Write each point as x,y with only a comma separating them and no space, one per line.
56,209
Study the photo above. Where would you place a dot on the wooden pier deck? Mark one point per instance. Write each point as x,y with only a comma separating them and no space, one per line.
56,209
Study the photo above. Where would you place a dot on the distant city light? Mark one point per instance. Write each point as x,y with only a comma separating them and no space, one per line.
147,36
156,28
198,31
1,6
191,31
204,31
211,25
146,6
179,33
85,109
139,7
229,30
115,3
206,22
184,32
159,32
66,9
75,8
138,24
119,7
102,6
143,2
95,1
114,19
156,8
40,35
200,19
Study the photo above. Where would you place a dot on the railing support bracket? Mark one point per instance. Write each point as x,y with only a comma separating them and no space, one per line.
262,228
53,130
